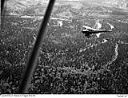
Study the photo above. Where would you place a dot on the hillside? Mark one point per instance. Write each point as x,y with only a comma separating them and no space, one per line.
36,7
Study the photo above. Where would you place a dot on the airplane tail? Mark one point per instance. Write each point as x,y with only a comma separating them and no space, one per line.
111,26
98,25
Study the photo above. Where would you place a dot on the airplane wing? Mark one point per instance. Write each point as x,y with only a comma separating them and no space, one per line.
87,28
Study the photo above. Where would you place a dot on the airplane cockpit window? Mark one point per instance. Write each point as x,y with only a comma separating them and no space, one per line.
83,50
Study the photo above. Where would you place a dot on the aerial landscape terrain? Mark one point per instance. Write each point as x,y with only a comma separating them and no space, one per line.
69,62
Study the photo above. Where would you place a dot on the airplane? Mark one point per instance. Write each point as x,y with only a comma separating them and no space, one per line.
88,31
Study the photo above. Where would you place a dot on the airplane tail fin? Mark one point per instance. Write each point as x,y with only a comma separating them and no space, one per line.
98,25
111,26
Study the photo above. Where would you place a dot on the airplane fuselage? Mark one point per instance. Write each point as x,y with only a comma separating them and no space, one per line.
95,31
88,33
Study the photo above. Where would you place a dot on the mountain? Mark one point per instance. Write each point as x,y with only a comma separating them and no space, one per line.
25,6
122,4
31,7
